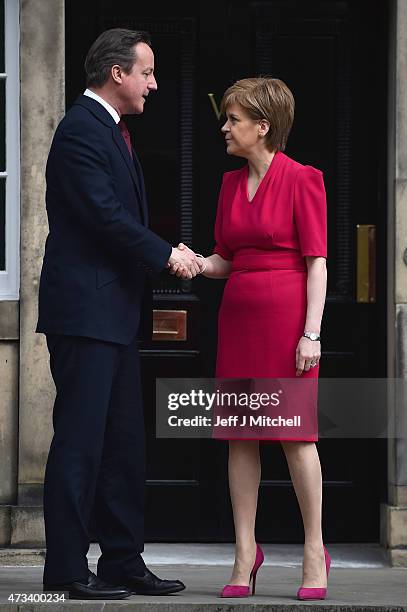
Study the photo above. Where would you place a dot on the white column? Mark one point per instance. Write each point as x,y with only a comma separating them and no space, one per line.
42,107
394,513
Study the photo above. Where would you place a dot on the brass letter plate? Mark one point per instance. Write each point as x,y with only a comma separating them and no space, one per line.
366,264
169,325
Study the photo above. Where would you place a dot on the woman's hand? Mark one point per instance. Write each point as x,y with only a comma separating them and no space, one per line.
307,355
213,266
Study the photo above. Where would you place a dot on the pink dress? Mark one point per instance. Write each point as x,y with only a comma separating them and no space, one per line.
263,309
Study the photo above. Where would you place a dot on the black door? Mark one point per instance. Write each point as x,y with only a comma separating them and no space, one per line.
333,57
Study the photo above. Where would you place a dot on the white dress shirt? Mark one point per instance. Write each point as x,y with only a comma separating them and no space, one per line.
112,111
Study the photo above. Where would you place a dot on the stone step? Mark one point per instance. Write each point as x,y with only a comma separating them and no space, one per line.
379,589
161,606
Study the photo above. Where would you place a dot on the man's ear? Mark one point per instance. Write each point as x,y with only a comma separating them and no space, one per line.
116,73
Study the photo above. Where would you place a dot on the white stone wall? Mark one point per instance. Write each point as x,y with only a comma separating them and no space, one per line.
24,365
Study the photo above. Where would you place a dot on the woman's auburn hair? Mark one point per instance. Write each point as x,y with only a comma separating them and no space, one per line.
264,98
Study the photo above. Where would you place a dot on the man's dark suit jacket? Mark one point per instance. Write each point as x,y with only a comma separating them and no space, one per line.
99,248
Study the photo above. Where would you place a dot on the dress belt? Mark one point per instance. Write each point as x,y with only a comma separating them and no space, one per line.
268,260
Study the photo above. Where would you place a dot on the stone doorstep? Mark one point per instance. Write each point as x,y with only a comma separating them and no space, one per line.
397,557
348,592
20,557
176,606
379,589
345,555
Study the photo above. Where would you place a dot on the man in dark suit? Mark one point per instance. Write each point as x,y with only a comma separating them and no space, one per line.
97,255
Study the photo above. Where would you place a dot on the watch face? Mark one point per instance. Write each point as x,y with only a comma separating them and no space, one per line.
311,335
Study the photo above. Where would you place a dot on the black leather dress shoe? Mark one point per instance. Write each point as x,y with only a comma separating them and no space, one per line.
150,584
94,588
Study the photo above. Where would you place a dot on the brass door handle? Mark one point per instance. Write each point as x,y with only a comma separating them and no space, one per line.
366,264
169,325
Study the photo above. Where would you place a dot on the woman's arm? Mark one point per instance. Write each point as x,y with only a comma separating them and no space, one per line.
309,351
213,266
216,267
316,292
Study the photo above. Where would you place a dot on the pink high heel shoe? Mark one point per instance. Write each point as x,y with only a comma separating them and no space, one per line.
237,590
316,593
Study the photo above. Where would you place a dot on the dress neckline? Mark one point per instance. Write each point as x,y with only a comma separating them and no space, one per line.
270,170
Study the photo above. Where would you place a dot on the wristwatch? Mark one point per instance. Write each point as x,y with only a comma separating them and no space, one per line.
312,336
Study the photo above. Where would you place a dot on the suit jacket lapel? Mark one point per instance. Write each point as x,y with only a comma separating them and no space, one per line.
143,198
134,166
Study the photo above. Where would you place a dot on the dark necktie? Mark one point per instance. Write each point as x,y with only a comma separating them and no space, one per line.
126,135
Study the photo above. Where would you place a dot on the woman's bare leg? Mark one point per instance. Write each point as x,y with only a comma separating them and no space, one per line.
244,480
305,469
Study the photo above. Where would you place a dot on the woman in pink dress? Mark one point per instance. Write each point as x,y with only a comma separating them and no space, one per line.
271,246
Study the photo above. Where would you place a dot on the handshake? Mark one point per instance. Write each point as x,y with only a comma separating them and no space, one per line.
184,263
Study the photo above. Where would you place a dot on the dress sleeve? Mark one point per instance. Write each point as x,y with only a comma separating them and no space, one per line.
220,246
310,212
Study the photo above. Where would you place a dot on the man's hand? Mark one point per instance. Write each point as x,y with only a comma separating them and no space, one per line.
183,262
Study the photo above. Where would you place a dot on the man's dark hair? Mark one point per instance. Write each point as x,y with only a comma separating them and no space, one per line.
112,47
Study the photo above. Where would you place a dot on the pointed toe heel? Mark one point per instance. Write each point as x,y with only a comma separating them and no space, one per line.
305,593
237,590
308,593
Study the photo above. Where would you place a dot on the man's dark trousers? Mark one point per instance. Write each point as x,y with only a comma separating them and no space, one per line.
96,461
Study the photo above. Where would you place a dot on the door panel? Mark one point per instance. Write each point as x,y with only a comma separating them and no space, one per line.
333,56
